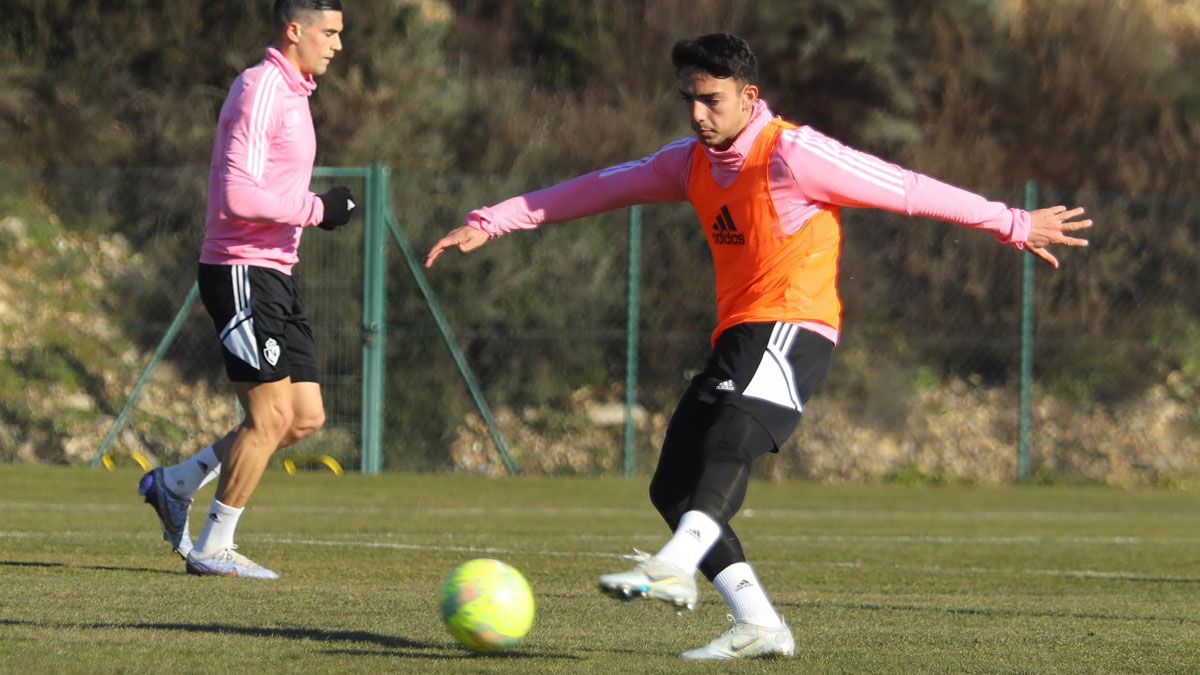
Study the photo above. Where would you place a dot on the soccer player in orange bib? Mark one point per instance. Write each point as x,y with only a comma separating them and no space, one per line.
768,195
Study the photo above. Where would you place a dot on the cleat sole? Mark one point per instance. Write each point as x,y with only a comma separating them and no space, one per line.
629,593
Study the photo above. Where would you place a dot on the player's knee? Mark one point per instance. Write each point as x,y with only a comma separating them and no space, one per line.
307,424
728,450
721,493
735,438
668,501
272,422
722,484
671,487
284,417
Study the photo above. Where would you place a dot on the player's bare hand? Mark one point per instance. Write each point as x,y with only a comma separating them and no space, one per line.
1053,226
466,238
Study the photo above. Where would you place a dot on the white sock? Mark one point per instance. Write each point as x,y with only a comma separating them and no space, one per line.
744,594
186,477
218,529
697,532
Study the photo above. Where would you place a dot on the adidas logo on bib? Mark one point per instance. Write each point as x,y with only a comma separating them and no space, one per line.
725,230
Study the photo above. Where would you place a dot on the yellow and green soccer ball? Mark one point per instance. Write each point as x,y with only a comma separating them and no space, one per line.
487,605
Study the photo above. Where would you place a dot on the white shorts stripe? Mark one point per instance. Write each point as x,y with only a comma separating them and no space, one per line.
238,333
785,338
793,331
238,337
246,287
789,377
233,322
233,284
774,380
775,333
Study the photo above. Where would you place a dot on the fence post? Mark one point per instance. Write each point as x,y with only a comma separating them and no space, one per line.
464,369
374,318
1027,287
631,338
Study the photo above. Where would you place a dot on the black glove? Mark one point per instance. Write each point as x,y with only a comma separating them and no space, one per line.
339,207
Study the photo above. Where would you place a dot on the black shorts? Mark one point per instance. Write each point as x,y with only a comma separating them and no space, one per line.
768,370
260,322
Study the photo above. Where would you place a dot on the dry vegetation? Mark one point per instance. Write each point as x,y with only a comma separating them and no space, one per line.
472,99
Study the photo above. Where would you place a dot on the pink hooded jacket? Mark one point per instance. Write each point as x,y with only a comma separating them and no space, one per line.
808,170
262,162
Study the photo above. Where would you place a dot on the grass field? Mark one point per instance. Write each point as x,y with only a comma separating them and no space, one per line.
872,579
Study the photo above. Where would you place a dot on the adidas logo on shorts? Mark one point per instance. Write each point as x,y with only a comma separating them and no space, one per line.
727,385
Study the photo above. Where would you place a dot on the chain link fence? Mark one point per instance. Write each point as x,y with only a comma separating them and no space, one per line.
130,239
925,384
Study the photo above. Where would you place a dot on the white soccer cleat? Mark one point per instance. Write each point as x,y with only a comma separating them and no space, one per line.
652,578
746,641
227,563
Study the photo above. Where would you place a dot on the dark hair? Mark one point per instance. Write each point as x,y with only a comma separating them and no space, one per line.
286,11
719,55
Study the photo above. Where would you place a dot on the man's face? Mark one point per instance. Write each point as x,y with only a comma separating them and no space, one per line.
318,38
719,107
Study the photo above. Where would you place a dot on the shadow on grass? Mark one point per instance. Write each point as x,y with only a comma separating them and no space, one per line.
453,653
1160,580
100,568
139,570
391,644
991,613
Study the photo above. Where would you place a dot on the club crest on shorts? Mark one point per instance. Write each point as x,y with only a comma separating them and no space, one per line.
271,351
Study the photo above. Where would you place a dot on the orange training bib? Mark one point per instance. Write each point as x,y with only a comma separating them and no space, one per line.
762,274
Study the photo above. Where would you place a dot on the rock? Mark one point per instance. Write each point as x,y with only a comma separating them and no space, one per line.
77,400
613,414
13,228
27,454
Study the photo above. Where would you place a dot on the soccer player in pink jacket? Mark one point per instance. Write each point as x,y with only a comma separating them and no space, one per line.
768,195
259,205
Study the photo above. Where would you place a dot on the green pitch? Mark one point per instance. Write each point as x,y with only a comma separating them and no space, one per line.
872,579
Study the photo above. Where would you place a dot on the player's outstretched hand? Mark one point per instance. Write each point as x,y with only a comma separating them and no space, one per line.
1051,226
466,238
339,207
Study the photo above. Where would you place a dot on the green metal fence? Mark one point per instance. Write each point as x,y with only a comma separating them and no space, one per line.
583,335
1027,290
339,281
379,231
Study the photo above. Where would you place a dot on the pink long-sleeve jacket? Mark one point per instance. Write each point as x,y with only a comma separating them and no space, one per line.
808,170
262,162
